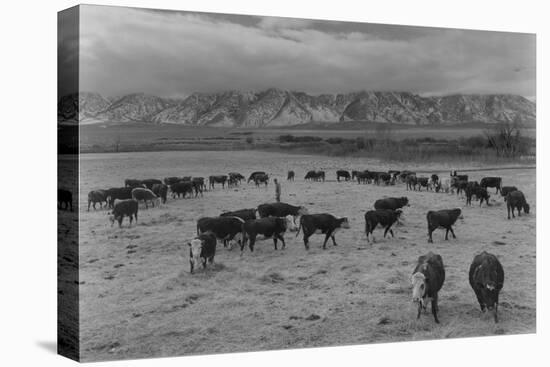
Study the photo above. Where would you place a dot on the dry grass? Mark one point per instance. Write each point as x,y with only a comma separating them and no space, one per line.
139,300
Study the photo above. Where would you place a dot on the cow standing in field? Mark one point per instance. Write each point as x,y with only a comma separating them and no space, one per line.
315,176
505,190
495,182
149,182
363,177
391,203
236,176
64,199
133,183
434,180
217,179
281,210
423,182
161,190
261,179
198,185
386,178
444,219
290,176
427,279
145,195
124,208
326,224
344,174
202,249
271,227
404,174
480,193
516,200
97,196
120,193
385,217
412,182
226,229
171,180
486,278
253,176
183,188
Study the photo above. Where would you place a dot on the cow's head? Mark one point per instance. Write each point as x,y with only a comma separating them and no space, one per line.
303,211
398,213
418,281
195,247
405,201
489,293
236,240
289,223
526,208
344,223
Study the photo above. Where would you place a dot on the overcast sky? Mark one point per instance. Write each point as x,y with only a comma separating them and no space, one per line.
173,54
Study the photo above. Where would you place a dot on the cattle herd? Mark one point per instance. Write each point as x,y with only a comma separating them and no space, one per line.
242,227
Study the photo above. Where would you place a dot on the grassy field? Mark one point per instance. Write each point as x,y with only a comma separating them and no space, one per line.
138,299
148,137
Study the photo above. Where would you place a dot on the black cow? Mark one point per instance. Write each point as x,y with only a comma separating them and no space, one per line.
459,185
202,249
342,173
236,176
326,224
122,208
132,183
244,214
280,210
171,180
217,179
363,177
516,200
459,177
161,190
487,279
504,190
480,193
198,185
253,175
423,182
64,199
386,178
315,176
290,176
261,179
385,217
120,193
427,279
444,219
391,203
435,179
97,196
412,182
491,182
272,227
183,188
224,228
404,174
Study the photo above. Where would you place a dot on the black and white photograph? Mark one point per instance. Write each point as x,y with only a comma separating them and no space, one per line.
236,183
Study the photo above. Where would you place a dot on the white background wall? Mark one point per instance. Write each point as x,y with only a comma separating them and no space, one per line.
28,225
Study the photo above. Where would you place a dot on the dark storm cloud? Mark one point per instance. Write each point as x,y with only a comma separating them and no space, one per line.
126,50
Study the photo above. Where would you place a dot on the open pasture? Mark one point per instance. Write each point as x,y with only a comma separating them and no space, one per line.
139,300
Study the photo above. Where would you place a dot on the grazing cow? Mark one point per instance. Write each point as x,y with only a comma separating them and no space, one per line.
412,182
161,190
326,224
504,190
290,176
145,195
427,279
486,279
171,180
244,214
385,217
261,179
232,182
150,182
342,173
236,176
97,196
495,182
124,208
120,193
315,176
271,227
217,179
253,176
363,177
423,182
132,183
391,203
202,249
480,193
386,178
444,219
64,199
280,210
516,200
183,188
226,229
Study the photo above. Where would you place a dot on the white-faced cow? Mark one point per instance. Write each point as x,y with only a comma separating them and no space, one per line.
202,249
427,279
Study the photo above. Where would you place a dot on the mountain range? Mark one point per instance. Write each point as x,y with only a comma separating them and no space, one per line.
276,107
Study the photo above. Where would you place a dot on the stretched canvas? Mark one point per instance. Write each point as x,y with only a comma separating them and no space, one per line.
232,183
